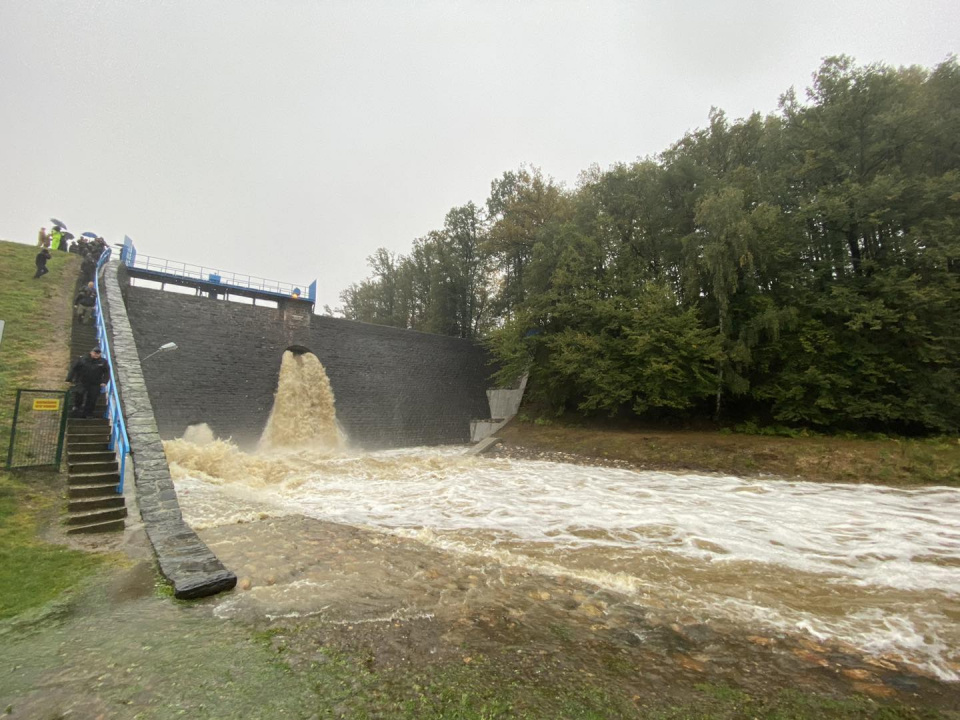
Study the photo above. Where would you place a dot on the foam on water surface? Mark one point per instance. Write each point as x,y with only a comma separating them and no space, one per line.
875,567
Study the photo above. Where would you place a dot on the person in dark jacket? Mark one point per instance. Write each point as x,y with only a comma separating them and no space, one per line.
84,303
88,268
41,261
89,374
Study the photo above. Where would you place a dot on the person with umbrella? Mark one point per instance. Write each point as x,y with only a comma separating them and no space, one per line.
56,235
64,237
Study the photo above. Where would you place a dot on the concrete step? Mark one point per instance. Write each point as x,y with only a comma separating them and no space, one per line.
81,445
88,478
94,489
86,468
97,527
90,422
74,441
80,430
75,456
95,502
97,516
88,431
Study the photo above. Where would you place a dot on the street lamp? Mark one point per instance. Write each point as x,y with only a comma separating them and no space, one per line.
166,347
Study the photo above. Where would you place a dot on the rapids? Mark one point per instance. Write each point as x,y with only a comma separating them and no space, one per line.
870,566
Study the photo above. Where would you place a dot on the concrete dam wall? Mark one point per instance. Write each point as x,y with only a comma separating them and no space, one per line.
393,388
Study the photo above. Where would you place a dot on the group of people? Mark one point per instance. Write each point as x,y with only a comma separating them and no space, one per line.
58,239
90,373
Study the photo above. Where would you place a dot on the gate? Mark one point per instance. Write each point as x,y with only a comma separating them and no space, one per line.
39,424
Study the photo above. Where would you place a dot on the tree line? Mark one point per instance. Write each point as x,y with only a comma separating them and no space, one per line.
799,268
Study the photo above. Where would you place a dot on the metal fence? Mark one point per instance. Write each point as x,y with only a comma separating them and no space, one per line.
39,424
162,268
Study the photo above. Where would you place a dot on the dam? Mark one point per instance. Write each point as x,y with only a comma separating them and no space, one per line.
397,387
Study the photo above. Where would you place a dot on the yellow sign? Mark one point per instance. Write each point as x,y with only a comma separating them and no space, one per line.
46,404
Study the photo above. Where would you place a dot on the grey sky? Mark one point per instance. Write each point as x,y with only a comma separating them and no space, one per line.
291,138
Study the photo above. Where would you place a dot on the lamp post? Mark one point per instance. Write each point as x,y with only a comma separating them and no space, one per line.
166,347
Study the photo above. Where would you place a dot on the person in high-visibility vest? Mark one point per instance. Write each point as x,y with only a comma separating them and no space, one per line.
55,238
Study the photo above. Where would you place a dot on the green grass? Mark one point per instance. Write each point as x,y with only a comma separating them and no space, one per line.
32,573
33,353
32,332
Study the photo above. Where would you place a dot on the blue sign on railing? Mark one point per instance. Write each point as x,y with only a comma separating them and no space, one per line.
128,254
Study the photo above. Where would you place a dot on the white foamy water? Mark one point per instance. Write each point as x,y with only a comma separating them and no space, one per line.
875,567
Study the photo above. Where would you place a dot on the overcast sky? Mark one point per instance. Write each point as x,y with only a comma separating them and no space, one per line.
291,138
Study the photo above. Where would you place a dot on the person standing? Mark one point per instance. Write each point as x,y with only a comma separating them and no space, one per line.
41,262
88,268
42,239
89,375
84,303
55,236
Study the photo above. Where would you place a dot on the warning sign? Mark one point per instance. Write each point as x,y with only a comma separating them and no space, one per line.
46,404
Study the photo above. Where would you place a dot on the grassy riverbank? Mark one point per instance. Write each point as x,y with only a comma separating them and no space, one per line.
885,461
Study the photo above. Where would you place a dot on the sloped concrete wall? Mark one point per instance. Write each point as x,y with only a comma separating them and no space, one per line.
184,558
393,388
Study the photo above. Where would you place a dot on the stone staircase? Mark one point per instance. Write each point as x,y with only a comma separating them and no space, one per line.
93,474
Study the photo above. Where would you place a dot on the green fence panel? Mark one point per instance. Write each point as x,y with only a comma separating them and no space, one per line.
39,425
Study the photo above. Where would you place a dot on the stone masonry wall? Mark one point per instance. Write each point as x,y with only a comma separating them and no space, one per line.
393,387
183,557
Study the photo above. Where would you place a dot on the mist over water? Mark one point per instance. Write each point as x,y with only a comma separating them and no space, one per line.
873,567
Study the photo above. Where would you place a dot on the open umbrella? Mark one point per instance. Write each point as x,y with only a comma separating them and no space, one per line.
57,223
66,236
90,235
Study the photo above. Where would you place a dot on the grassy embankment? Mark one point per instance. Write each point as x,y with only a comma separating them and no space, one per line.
34,353
818,458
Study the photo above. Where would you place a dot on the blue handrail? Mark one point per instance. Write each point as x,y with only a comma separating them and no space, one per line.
199,273
119,441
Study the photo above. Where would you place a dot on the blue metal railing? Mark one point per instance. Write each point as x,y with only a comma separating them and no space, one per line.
199,273
119,442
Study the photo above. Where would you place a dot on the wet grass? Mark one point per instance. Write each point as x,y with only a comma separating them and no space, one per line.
32,573
36,339
151,659
33,352
885,461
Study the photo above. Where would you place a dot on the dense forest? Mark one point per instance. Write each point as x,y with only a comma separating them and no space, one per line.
800,269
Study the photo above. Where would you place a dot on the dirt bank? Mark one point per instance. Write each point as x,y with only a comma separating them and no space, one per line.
818,459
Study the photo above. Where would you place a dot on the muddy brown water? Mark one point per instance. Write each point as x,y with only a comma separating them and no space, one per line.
868,571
